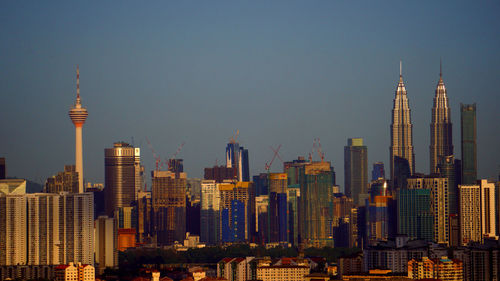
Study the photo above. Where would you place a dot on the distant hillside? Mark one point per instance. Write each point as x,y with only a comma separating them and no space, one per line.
33,187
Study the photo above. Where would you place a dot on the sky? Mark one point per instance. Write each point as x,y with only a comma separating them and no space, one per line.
280,72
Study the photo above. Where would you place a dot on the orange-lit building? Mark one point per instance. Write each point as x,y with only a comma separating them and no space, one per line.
126,238
443,269
72,272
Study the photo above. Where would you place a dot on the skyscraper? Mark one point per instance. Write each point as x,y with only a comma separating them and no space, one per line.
78,115
209,217
441,128
316,208
3,173
106,253
378,171
277,210
169,206
237,211
439,204
63,181
237,156
356,170
119,177
13,215
470,213
469,147
402,156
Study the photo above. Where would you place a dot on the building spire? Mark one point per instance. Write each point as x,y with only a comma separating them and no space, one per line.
400,68
78,85
440,68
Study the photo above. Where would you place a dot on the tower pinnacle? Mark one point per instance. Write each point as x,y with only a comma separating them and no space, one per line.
78,115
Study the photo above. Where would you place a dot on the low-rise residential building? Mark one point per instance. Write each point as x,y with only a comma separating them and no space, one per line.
444,269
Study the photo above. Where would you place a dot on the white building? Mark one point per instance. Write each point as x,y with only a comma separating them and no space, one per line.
13,229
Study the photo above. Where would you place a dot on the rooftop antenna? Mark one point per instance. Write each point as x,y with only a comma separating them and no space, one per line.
440,68
77,84
400,68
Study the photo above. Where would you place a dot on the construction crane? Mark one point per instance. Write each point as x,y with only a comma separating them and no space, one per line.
175,155
234,137
321,154
156,157
319,150
276,154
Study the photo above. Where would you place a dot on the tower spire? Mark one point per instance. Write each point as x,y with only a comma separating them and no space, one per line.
440,68
400,68
77,84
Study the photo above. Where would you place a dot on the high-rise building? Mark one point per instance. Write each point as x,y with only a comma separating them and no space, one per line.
78,115
220,173
237,211
119,177
13,215
378,171
278,208
261,218
47,228
439,204
144,213
379,218
237,156
402,156
447,168
415,216
488,215
139,172
169,206
441,127
63,181
356,170
3,170
469,146
210,216
106,253
470,213
316,208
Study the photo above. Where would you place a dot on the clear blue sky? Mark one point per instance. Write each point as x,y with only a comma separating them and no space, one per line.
282,72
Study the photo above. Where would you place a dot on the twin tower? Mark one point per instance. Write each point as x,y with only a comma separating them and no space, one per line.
402,155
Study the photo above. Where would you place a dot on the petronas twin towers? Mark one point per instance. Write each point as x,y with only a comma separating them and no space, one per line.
402,155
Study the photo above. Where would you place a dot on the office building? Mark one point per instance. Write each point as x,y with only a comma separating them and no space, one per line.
176,165
78,115
316,208
139,172
450,168
13,217
63,181
119,175
144,219
470,213
169,206
210,216
3,169
439,204
469,145
441,127
378,171
379,219
402,156
106,253
278,208
261,218
237,156
415,214
237,211
220,173
488,216
356,170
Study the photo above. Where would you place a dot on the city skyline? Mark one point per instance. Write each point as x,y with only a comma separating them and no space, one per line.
270,97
